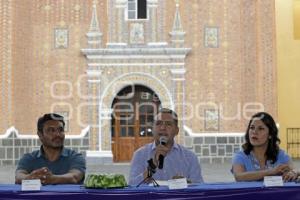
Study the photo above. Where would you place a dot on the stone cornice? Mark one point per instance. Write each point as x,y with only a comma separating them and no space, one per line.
169,64
93,34
94,73
137,51
134,57
178,71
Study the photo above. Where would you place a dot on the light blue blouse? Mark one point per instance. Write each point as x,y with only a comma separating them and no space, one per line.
179,161
251,163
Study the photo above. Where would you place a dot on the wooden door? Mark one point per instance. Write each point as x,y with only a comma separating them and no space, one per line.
134,109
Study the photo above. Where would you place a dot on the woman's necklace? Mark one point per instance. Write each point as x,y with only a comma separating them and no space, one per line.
256,165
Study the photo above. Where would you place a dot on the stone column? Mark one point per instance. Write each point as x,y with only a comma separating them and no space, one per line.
178,98
94,84
97,153
105,128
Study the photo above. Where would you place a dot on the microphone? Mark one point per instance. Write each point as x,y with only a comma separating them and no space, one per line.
163,141
151,168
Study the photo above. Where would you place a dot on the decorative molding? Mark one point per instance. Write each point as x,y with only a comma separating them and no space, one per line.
94,73
115,44
94,34
134,64
136,51
157,44
94,26
178,71
177,26
211,121
140,78
177,33
211,37
137,33
61,38
178,79
94,81
132,57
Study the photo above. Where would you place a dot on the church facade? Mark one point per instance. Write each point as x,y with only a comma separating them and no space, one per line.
109,65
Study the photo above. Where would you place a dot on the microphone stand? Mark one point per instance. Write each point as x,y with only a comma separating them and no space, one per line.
151,169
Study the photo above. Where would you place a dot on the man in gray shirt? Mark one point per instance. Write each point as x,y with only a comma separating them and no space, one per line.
52,163
170,159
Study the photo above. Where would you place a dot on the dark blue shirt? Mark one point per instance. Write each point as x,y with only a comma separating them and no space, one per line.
68,160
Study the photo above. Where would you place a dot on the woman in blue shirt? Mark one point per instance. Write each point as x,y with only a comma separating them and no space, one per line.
261,155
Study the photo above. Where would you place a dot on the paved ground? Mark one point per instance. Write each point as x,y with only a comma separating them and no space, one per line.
210,172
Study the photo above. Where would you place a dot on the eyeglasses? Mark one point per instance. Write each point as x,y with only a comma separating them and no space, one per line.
52,130
166,123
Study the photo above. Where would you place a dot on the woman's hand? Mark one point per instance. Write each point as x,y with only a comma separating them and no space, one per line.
290,175
280,170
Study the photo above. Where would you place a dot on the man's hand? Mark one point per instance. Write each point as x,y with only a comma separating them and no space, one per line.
160,150
44,174
73,176
180,176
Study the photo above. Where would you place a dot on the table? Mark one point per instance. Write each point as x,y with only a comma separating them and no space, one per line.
216,191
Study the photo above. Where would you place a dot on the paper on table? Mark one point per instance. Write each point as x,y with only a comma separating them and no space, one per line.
162,183
30,185
270,181
179,183
173,183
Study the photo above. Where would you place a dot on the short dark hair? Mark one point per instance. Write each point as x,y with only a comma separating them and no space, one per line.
274,141
169,111
47,117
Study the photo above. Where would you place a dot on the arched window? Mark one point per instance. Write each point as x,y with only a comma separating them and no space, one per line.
137,9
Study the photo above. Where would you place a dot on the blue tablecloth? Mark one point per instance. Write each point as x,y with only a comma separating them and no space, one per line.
218,191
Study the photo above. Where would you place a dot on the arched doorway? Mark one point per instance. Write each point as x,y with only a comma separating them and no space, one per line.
131,127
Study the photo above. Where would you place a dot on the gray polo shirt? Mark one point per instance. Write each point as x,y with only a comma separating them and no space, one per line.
69,159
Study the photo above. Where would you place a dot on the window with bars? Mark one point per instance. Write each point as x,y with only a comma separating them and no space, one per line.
293,142
137,9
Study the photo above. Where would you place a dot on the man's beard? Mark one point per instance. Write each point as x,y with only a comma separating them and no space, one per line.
55,144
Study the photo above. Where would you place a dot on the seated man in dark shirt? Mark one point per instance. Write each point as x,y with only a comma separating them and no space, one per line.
52,163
